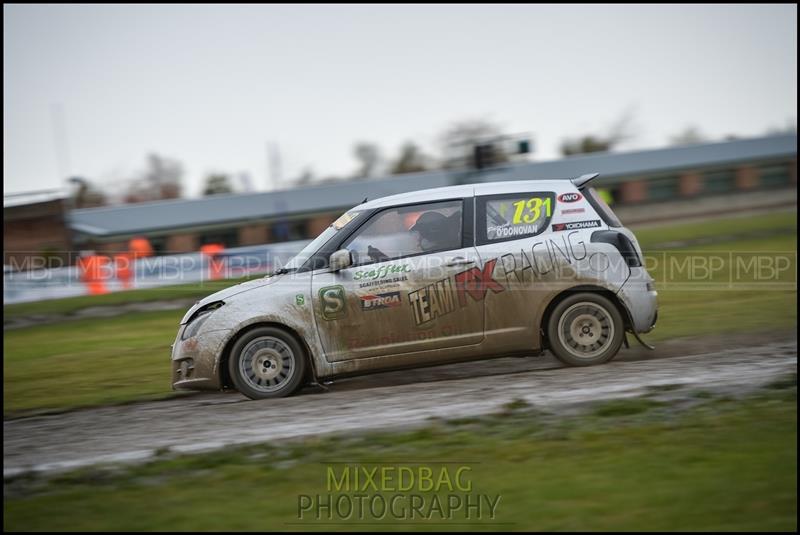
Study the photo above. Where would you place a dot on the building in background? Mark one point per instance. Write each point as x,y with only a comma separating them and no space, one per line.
647,185
35,225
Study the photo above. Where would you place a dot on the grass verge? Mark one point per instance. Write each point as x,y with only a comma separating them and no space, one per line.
713,464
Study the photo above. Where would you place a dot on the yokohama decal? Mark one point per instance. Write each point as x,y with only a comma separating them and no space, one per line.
577,225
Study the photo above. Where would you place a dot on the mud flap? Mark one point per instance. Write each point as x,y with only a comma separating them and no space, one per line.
634,333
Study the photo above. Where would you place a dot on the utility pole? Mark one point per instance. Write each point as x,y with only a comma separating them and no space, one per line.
60,140
274,165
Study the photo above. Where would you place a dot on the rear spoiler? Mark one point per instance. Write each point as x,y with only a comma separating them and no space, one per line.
583,180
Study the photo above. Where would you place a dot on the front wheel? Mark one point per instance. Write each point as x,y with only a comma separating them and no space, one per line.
267,363
585,329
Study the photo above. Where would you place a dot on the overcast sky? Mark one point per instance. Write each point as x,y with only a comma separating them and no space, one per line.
212,85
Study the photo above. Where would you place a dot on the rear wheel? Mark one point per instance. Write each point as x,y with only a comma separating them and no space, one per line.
266,362
585,329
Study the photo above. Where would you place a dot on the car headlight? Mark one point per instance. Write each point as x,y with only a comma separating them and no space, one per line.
199,318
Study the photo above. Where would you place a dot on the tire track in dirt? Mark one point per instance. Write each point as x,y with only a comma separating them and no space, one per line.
205,422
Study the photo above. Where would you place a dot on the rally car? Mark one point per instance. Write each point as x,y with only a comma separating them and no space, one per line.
424,278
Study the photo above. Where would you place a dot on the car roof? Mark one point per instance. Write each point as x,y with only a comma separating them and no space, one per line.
468,190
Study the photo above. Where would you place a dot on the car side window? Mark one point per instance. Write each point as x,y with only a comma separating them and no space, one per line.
512,216
407,231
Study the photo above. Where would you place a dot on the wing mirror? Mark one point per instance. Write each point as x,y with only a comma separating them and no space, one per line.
340,260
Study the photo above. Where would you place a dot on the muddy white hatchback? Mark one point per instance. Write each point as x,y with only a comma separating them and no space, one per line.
442,275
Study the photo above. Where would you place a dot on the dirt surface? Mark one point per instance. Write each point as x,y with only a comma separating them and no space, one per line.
202,422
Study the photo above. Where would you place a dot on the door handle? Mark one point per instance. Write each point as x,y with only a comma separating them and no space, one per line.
458,261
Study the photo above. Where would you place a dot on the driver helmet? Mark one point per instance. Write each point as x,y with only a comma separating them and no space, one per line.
432,227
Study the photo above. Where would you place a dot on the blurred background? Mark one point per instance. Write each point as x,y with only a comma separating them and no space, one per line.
136,133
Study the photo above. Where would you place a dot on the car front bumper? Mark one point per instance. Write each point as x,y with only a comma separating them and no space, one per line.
195,360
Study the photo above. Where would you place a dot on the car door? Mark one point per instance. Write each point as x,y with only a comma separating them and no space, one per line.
408,288
511,229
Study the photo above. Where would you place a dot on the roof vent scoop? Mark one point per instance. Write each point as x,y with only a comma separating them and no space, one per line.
582,180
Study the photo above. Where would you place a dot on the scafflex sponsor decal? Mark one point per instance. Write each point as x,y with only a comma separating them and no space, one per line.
576,225
383,282
570,197
385,300
380,273
438,299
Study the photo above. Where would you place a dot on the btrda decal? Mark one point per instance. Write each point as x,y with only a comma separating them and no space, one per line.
378,301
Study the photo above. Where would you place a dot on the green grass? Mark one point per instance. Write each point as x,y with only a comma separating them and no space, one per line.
725,291
718,227
716,465
88,362
124,358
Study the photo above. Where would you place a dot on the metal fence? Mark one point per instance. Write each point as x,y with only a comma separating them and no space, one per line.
26,285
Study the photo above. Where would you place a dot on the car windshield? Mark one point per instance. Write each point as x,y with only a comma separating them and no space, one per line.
300,258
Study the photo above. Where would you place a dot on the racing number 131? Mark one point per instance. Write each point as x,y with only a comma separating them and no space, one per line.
534,209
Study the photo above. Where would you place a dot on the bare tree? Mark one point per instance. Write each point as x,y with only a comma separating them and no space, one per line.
459,140
620,131
305,178
789,128
217,183
369,157
410,160
87,195
161,180
690,135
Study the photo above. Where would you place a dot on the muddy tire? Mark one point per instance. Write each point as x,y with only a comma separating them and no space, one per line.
266,362
585,329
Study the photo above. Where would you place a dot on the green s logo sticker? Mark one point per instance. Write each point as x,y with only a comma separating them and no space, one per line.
332,302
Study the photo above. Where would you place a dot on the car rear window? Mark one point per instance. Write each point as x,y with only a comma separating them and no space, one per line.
512,216
602,209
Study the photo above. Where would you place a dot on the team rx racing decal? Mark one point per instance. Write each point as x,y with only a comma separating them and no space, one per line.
577,225
432,301
375,302
570,197
332,302
435,300
475,282
544,256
